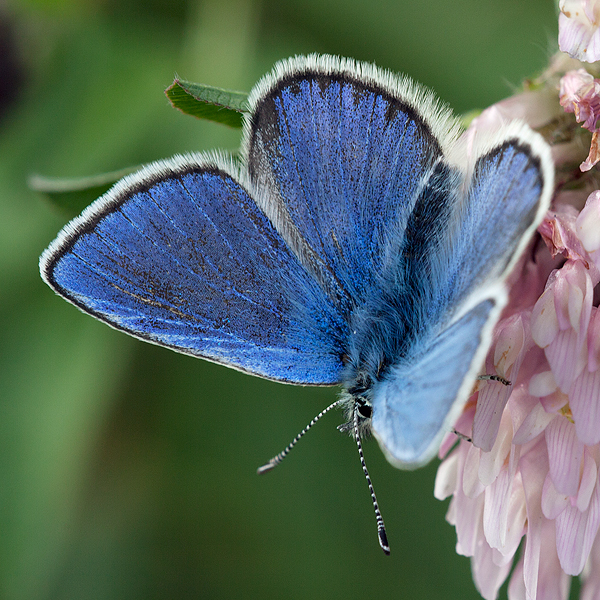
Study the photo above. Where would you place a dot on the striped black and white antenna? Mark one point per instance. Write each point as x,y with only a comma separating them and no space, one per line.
381,534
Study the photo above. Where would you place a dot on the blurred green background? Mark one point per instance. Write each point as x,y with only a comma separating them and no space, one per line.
126,470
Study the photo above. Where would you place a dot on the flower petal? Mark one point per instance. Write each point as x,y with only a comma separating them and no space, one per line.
584,400
589,480
463,425
586,224
580,94
471,485
553,582
553,502
567,358
469,524
488,576
575,534
505,512
593,340
565,455
577,33
591,574
516,586
465,513
534,424
594,155
554,403
446,478
491,463
534,466
542,384
544,321
558,230
490,408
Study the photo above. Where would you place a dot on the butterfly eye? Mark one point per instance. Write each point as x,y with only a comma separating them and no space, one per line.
364,408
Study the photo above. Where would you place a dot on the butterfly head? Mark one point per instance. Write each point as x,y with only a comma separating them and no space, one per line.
357,397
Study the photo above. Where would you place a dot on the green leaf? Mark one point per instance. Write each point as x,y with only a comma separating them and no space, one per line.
71,196
207,102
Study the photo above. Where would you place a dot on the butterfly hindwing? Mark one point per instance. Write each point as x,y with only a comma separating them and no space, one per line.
421,394
180,255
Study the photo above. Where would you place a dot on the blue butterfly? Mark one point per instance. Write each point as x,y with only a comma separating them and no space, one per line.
352,244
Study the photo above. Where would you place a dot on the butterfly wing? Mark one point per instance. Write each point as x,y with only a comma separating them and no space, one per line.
414,403
509,193
342,151
180,255
486,232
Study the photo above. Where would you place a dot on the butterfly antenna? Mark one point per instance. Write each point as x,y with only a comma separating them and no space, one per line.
380,525
277,459
462,436
498,378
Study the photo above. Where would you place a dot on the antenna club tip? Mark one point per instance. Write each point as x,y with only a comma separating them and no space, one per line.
383,542
266,468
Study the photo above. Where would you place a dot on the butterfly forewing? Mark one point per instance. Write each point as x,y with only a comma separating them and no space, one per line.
182,256
341,160
507,196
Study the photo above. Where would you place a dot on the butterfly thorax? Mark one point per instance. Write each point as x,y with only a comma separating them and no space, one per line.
385,332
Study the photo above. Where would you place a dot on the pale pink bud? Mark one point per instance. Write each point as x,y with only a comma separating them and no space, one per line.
559,231
580,94
578,25
535,107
